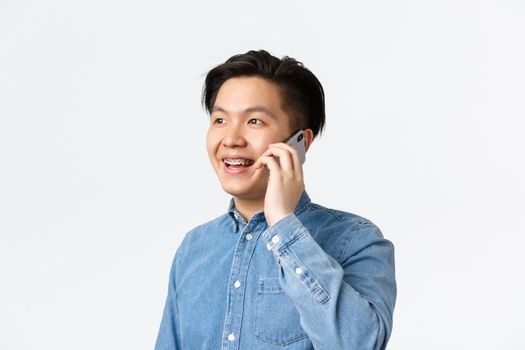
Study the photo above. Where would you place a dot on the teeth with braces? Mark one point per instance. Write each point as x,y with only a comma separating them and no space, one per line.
238,161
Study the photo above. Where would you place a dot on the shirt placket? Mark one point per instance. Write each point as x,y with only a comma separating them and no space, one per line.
237,285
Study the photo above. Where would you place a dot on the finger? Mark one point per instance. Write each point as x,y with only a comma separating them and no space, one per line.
272,164
285,158
295,159
282,164
258,164
292,153
268,152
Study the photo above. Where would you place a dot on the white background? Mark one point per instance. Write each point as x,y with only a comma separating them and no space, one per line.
103,166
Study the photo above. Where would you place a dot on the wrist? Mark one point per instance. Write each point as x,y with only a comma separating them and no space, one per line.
276,218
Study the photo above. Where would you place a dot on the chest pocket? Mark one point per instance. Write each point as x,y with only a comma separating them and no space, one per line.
276,319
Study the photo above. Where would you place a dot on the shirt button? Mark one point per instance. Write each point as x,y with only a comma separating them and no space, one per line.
249,236
298,270
237,284
275,239
231,337
268,246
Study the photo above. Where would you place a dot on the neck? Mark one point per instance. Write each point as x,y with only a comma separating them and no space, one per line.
248,207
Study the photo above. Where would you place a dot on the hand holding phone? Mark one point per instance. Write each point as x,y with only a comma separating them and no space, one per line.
285,182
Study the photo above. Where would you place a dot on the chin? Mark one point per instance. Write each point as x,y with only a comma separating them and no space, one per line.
242,192
245,188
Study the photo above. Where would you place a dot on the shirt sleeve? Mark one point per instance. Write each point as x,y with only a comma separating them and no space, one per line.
168,337
342,305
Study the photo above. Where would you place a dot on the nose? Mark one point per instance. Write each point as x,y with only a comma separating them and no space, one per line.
234,137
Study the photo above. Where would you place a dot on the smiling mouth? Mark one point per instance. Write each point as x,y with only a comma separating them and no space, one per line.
238,162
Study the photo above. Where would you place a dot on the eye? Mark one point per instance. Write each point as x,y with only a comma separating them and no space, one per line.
255,121
218,120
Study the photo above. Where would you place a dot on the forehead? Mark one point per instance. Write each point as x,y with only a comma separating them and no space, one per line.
243,92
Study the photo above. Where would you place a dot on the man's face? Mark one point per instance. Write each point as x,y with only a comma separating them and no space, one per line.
246,118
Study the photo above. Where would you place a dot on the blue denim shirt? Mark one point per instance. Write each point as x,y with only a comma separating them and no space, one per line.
318,279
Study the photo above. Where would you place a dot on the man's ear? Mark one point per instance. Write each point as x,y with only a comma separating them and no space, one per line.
308,138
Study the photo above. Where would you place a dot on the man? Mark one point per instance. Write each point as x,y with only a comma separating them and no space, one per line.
276,271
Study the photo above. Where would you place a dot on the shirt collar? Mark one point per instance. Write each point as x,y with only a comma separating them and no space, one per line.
237,218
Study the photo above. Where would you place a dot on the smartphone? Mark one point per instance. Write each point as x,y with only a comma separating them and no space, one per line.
297,142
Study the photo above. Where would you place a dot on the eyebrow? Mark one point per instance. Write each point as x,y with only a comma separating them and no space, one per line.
255,108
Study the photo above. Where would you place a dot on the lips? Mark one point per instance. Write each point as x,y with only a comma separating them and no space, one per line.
238,162
237,165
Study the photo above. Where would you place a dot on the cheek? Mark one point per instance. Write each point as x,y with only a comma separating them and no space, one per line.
260,144
212,142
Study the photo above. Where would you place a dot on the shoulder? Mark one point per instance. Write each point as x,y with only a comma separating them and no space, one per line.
339,232
201,232
339,219
197,239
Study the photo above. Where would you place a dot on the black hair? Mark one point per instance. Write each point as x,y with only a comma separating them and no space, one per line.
302,93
